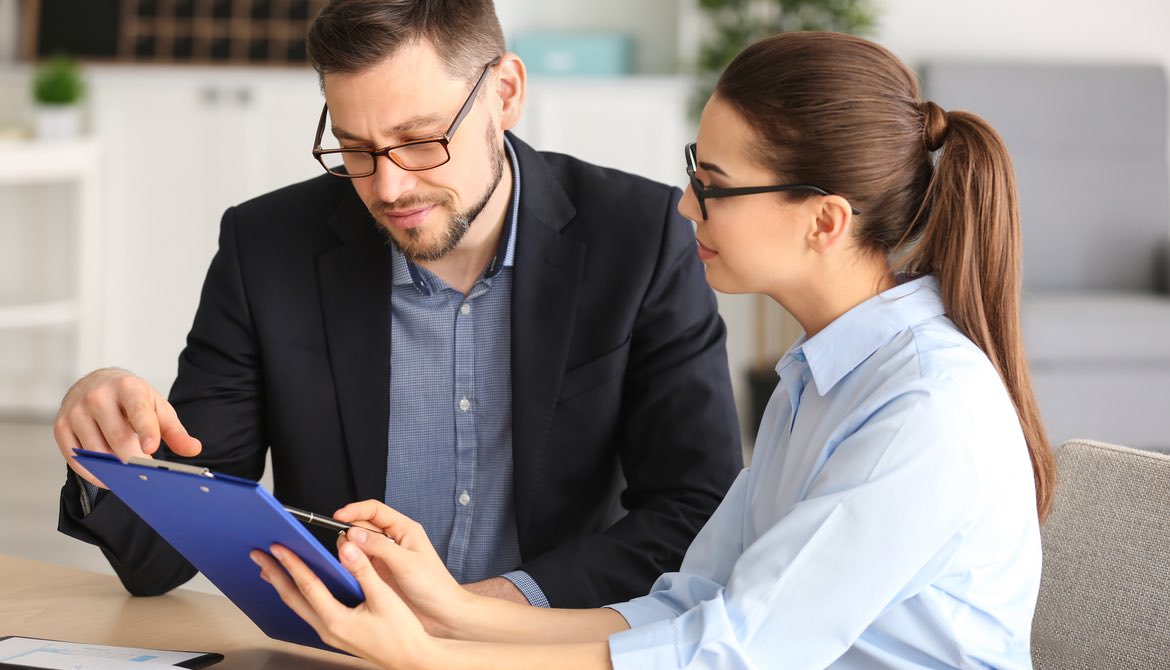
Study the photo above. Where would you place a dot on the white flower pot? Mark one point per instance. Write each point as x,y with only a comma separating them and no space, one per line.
57,122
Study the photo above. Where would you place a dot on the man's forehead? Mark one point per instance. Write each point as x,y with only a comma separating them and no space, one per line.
413,64
393,84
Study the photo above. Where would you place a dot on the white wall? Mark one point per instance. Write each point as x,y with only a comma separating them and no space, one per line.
1069,30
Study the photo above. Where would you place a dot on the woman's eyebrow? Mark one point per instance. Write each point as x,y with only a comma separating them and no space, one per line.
711,167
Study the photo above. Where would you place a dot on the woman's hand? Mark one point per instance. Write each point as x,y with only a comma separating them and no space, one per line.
407,561
381,629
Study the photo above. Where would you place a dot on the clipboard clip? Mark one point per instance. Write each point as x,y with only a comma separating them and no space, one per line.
173,467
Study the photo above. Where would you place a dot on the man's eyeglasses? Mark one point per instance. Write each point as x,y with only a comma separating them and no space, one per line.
704,192
421,154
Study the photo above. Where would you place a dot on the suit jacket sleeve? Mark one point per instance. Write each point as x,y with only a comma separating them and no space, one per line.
677,437
217,398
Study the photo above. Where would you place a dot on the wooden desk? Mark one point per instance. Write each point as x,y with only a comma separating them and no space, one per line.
43,600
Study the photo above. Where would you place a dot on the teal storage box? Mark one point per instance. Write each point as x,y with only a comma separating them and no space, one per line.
575,54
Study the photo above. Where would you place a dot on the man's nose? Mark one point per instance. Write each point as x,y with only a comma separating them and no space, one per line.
391,181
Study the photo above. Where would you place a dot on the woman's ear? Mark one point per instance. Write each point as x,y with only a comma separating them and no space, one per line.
512,88
833,223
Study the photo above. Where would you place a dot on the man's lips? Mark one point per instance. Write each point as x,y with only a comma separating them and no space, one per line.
408,218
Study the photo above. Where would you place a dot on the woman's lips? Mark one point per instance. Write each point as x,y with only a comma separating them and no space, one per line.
706,253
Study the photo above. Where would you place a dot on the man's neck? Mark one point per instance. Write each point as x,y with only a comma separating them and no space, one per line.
461,268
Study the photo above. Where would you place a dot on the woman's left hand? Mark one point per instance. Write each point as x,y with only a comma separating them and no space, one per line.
382,629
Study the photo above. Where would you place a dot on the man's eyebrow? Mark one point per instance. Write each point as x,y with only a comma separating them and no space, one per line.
405,128
711,167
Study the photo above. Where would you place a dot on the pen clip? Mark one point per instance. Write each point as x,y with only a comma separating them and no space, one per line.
173,467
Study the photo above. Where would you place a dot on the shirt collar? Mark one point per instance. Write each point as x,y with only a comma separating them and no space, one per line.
406,272
855,335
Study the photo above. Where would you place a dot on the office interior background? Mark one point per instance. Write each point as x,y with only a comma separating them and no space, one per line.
104,240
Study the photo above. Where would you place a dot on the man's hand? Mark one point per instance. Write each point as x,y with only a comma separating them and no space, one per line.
114,412
498,587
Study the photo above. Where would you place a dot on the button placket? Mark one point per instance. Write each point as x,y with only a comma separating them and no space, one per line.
466,438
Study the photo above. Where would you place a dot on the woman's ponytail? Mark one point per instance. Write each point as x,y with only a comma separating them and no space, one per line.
971,242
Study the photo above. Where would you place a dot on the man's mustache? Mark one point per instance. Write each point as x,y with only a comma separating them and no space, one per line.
406,204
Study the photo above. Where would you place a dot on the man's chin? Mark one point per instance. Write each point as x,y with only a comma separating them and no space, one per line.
431,239
416,245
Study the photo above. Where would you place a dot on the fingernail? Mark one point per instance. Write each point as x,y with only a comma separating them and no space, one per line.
350,553
358,535
252,556
277,552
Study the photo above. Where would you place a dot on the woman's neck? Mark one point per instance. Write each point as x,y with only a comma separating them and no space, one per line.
831,292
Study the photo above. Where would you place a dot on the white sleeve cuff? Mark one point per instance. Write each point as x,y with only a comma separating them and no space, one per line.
649,647
644,611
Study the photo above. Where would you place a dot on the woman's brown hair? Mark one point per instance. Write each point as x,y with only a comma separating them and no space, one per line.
937,188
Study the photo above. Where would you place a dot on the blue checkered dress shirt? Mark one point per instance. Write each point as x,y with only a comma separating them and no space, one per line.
449,458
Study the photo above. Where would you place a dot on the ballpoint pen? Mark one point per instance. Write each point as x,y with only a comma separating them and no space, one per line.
323,521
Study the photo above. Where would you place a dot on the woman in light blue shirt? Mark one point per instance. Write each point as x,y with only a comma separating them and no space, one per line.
890,518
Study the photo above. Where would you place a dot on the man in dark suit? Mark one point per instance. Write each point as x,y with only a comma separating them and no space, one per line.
517,349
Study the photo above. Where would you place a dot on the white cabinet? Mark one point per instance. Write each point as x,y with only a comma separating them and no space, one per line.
51,301
181,146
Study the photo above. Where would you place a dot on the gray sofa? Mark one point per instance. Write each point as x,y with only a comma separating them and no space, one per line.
1104,597
1089,145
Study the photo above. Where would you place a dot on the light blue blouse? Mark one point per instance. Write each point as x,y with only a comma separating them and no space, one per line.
888,519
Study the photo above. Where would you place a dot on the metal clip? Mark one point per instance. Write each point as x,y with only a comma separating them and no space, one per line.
173,467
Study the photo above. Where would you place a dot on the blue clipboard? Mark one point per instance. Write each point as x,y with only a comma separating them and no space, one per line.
214,520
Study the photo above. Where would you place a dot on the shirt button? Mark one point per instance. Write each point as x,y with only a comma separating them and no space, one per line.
465,404
464,498
465,309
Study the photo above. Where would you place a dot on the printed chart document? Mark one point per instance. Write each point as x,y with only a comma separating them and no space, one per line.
31,652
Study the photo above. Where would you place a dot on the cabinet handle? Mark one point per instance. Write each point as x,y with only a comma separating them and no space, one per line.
210,95
244,96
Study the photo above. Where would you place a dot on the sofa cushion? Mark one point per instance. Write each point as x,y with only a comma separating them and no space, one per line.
1096,328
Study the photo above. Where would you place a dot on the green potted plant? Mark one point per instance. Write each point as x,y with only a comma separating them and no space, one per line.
58,88
731,25
728,27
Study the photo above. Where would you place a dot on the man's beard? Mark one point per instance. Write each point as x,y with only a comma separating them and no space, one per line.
415,247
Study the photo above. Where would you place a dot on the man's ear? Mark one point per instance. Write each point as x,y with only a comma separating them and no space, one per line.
512,88
832,225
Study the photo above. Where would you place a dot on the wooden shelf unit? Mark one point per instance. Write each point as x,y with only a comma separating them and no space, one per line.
228,32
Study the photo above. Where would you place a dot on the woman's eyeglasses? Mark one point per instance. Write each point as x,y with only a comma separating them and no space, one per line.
704,192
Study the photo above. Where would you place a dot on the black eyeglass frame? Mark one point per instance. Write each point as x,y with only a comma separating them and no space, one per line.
443,140
704,192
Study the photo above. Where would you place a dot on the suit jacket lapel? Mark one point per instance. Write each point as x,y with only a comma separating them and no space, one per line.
355,301
547,278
